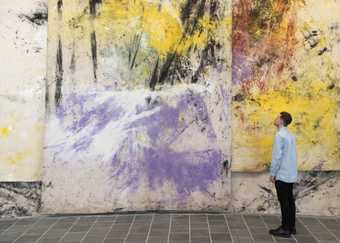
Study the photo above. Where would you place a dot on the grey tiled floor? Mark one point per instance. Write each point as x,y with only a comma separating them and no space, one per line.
164,228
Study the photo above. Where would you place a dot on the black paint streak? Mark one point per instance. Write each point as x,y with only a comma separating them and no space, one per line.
187,10
239,98
199,15
38,18
59,74
154,77
214,6
207,58
164,71
310,183
148,100
171,66
135,49
266,189
317,124
176,68
322,51
47,95
313,44
94,54
93,11
331,86
60,5
93,5
226,164
73,60
312,38
315,33
208,55
192,11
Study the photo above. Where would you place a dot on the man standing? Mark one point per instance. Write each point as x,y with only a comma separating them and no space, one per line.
284,174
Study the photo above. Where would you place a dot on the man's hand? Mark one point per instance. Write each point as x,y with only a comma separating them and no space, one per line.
272,179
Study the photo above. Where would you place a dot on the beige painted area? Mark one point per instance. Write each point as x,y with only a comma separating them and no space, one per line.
21,138
23,46
316,195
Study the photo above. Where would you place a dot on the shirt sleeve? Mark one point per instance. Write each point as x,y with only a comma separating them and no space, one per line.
277,155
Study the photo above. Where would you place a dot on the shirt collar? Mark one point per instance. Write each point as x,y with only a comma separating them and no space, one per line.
283,129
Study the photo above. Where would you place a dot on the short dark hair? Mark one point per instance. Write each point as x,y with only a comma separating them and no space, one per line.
286,118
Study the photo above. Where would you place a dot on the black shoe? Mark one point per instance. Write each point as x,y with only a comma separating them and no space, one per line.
280,232
293,231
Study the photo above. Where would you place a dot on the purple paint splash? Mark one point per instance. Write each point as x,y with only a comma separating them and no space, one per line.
130,168
99,115
169,118
188,171
67,107
241,69
94,118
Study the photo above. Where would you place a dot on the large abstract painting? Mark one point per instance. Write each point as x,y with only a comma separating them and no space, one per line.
23,39
286,58
137,104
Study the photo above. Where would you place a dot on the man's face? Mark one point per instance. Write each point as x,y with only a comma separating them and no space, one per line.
278,121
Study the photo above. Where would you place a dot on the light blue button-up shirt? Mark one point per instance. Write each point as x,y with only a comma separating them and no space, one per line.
284,158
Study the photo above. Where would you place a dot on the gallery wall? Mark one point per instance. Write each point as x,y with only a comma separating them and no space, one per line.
116,106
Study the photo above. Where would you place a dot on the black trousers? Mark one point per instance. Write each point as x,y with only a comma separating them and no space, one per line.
287,202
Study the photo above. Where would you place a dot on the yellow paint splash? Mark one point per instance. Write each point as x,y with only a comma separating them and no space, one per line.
164,31
5,132
313,110
313,104
17,157
121,20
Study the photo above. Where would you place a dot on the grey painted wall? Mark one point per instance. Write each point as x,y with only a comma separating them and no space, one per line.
19,198
317,194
